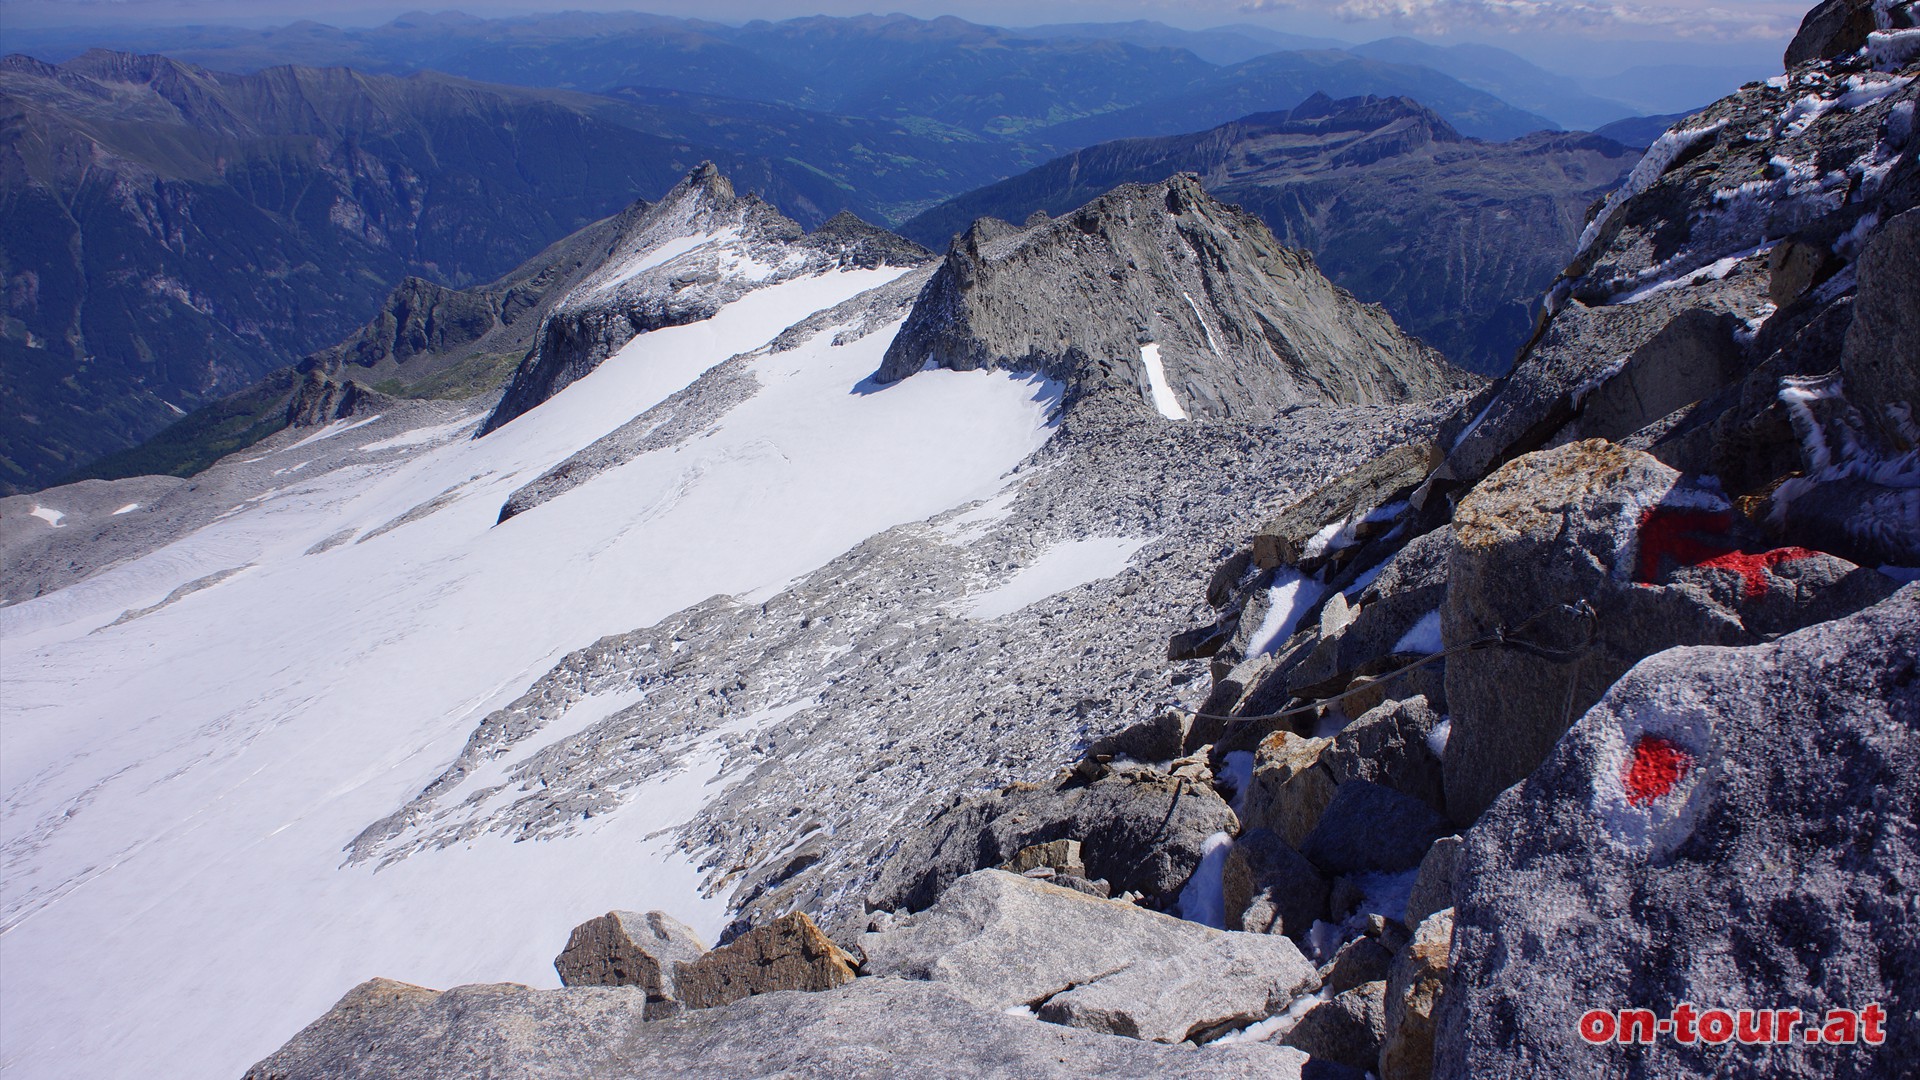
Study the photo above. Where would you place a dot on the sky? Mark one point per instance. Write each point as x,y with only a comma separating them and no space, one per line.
1593,33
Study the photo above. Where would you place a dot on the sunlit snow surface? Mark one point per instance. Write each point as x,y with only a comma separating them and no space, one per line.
1061,567
179,788
1165,402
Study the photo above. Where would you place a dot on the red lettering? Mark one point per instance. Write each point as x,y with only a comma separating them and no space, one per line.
1871,1018
1756,1026
1683,1019
1842,1027
1596,1026
1784,1023
1716,1026
1637,1025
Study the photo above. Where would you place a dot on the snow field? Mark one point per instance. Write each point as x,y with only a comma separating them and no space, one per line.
179,789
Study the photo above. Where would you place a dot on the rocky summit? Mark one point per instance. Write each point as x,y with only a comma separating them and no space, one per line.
677,262
1109,649
1169,299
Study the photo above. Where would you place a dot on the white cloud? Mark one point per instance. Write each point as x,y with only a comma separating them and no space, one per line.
1753,19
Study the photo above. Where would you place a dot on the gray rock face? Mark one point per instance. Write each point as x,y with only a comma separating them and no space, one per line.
1388,745
1000,940
1881,364
1242,326
679,262
1671,288
1728,827
1363,960
1345,1030
387,1029
1291,787
1433,887
1372,828
1141,830
866,1029
1660,563
1833,28
627,948
1270,888
789,953
1286,540
1416,983
1382,191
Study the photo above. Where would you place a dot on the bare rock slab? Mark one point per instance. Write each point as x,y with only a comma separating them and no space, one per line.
1345,1030
1270,888
1002,941
1141,831
1661,563
394,1031
1730,826
872,1028
789,953
1369,827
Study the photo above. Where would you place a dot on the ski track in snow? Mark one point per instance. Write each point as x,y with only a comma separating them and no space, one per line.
180,788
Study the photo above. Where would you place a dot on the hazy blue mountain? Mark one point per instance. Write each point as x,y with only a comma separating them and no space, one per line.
884,170
1456,237
1640,132
174,233
1282,81
1510,78
929,73
1216,45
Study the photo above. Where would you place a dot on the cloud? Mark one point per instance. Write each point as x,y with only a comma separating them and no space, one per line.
1761,19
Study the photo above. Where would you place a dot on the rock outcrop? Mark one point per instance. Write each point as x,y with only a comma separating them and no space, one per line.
1728,827
1345,1029
388,1031
627,948
1142,831
1003,941
1169,299
1659,562
789,953
1385,193
1415,984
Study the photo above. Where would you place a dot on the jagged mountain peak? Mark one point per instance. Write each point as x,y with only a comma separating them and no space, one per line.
680,260
1168,298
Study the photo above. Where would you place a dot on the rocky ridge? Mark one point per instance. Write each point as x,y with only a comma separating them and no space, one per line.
679,261
1455,237
1165,297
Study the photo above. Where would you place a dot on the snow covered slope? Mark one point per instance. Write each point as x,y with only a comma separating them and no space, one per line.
707,624
180,785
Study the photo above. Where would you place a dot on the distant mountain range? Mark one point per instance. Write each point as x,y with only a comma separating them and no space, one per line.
175,232
1456,237
934,72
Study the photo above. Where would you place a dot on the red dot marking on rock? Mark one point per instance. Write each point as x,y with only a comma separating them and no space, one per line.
1657,765
1691,538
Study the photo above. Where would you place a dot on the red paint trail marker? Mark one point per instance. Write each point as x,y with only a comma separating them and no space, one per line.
1697,538
1657,764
